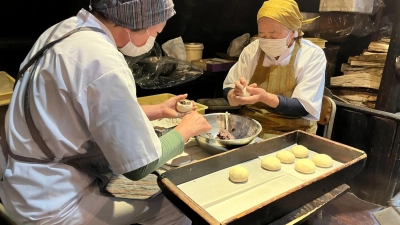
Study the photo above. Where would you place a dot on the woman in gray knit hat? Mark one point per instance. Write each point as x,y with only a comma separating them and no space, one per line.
74,120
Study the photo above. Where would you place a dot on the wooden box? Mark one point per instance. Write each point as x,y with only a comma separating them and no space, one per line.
285,197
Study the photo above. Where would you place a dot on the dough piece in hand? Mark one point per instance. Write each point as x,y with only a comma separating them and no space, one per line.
299,151
184,105
245,93
271,163
304,166
322,160
238,174
285,156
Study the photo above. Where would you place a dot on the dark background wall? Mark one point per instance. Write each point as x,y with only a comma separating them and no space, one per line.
215,23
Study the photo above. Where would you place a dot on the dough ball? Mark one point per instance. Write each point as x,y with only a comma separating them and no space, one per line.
304,166
322,160
285,156
238,174
184,105
245,93
271,163
299,151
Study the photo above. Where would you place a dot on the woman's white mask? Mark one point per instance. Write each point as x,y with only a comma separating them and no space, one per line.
273,47
132,50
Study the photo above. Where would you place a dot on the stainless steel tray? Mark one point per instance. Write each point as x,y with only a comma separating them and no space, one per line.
350,162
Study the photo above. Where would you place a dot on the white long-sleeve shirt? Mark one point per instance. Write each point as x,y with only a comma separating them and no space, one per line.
85,92
309,69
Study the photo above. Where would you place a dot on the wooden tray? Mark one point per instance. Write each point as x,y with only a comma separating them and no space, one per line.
351,162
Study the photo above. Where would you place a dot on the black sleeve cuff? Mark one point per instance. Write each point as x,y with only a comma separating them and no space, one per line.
290,107
225,93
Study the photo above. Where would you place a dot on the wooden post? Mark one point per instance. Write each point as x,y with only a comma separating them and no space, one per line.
388,98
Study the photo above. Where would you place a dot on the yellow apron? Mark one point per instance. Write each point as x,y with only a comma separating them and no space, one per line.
278,80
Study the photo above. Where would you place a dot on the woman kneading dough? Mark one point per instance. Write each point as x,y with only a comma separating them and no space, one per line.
279,78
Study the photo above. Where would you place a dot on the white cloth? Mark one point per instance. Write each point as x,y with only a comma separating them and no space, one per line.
309,69
127,211
85,92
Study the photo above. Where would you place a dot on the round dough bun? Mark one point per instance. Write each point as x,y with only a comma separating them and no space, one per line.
304,166
285,156
271,163
322,160
184,105
299,151
238,174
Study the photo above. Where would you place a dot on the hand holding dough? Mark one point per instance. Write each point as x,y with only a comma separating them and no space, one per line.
285,156
299,151
271,163
245,93
238,174
322,160
184,105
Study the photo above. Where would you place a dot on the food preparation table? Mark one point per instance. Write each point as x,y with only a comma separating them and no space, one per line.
148,187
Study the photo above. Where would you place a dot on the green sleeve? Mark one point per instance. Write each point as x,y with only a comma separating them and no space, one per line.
172,144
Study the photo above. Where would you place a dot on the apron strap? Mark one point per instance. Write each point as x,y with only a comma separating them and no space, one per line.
51,44
28,117
261,58
27,110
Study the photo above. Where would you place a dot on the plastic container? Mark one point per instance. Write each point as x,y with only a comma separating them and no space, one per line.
360,6
194,51
6,88
157,99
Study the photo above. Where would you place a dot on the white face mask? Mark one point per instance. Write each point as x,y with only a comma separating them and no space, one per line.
273,47
132,50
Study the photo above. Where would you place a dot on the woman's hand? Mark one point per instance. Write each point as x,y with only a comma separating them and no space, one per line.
168,107
258,95
192,124
235,95
239,86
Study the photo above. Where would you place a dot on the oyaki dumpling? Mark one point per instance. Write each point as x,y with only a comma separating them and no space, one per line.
299,151
322,160
271,163
238,174
184,105
245,92
285,156
304,166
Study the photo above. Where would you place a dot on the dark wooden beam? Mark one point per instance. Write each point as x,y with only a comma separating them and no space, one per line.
389,91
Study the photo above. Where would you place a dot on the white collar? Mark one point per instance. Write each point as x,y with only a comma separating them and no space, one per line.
89,19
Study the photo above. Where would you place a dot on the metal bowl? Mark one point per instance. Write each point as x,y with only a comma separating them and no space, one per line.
243,128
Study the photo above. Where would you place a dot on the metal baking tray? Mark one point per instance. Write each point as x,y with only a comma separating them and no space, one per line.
350,162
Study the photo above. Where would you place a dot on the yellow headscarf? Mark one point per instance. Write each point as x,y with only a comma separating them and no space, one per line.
285,12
